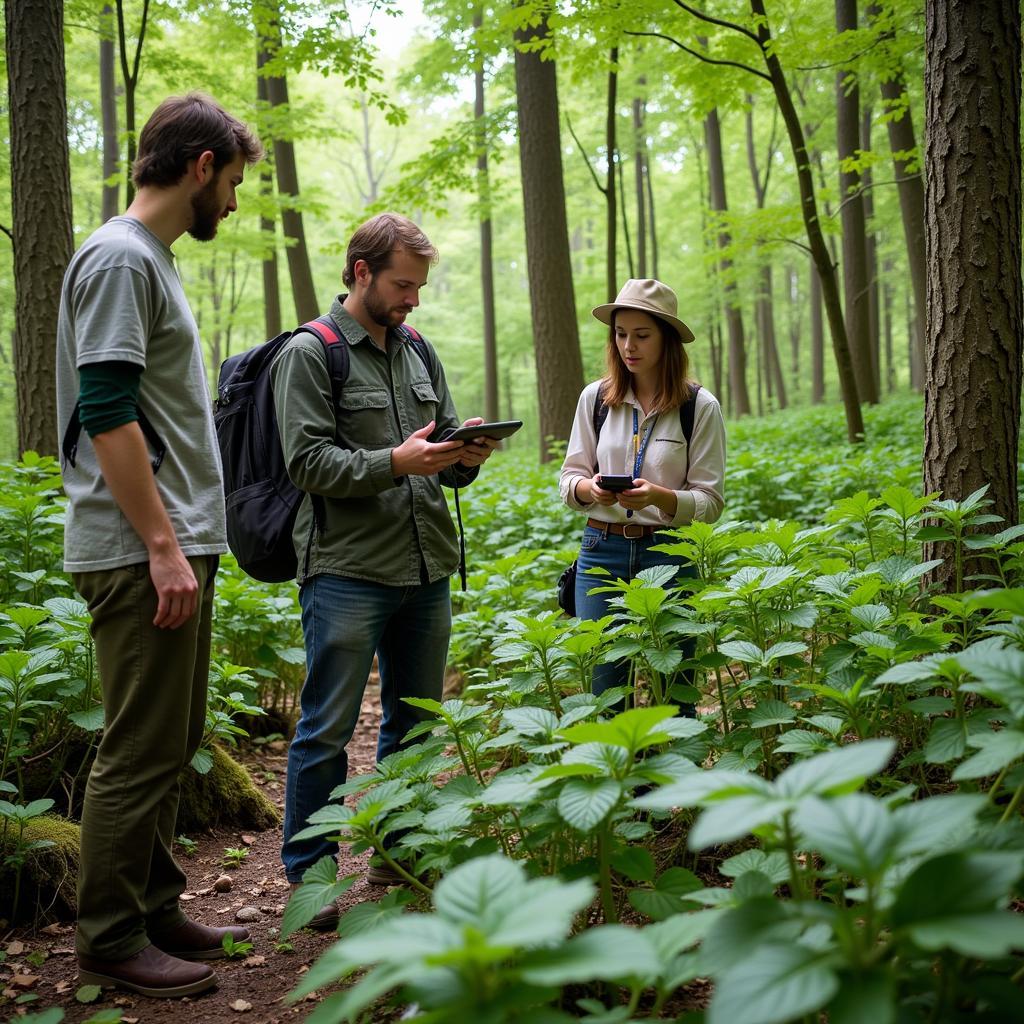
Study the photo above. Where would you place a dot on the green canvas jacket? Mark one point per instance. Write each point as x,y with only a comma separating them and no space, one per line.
377,527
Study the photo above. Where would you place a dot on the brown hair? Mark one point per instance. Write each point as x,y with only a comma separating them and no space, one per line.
674,385
182,128
378,238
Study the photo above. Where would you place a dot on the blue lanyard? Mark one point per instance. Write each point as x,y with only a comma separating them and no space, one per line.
639,448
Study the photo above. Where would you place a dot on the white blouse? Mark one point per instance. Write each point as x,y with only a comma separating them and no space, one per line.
700,490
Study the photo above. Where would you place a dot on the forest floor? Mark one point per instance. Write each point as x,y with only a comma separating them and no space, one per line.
253,989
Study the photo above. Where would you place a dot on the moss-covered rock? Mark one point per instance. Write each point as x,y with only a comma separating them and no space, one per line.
48,875
225,795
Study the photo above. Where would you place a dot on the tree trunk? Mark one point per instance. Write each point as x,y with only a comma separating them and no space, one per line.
910,188
812,224
108,114
773,365
855,273
611,188
871,257
552,302
131,80
739,396
40,208
268,225
795,323
483,188
817,339
303,290
640,174
651,223
890,369
973,245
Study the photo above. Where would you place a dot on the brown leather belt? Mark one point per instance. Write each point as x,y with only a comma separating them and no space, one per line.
631,531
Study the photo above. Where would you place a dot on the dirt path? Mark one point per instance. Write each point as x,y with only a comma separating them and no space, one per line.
253,989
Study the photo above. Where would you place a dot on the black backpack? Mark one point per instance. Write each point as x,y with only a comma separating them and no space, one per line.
262,502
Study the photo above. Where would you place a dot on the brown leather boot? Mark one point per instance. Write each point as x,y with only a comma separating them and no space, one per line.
193,940
326,918
150,972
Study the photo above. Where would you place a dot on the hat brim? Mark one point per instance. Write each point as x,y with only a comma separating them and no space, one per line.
604,314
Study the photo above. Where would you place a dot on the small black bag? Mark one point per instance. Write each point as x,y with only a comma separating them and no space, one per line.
567,590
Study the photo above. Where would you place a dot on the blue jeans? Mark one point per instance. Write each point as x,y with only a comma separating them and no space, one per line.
344,621
623,558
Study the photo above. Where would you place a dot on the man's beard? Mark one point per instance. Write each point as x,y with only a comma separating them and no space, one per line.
206,212
379,313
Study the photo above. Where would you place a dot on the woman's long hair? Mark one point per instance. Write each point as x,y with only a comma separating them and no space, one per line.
674,384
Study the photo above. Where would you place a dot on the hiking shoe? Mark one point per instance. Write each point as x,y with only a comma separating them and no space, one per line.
384,874
150,972
192,940
326,918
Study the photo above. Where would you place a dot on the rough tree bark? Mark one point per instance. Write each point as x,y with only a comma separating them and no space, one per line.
738,393
973,248
299,269
855,274
268,225
108,114
549,271
40,207
910,188
483,189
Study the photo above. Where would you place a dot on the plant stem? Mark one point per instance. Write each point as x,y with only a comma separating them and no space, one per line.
605,867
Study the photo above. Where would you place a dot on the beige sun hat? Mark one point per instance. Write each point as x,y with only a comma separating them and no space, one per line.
648,296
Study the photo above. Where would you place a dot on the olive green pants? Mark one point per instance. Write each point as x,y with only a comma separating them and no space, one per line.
154,704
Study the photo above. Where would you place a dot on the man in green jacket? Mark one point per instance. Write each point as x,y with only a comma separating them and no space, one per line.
376,576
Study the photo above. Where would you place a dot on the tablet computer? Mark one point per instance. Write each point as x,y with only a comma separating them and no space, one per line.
498,430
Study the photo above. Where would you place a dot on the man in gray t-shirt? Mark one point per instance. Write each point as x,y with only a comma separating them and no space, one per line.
145,527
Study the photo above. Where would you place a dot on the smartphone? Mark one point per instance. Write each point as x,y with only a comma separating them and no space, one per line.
615,484
493,430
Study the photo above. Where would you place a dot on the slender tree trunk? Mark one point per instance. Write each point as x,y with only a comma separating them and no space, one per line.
871,257
739,396
890,369
640,174
773,365
651,223
973,245
483,190
108,114
812,224
855,274
910,188
795,324
299,269
817,338
131,81
552,302
268,225
611,188
40,207
625,217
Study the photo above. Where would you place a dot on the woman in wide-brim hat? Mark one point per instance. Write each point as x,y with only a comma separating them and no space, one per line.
648,421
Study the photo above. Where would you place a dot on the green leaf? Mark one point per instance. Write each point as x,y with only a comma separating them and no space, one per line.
742,650
320,886
773,866
202,760
606,953
530,721
997,751
367,916
836,771
633,729
92,720
770,712
775,985
947,741
668,895
88,993
663,661
864,997
984,936
854,831
635,863
585,803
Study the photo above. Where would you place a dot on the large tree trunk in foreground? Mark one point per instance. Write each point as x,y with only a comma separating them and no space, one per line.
973,248
40,207
549,270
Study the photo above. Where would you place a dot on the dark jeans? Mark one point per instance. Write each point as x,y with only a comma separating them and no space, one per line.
154,707
623,558
344,621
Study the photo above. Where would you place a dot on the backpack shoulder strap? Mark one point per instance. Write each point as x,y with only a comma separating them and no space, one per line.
324,328
600,411
423,350
686,413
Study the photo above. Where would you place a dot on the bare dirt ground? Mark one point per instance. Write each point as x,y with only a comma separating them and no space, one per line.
253,989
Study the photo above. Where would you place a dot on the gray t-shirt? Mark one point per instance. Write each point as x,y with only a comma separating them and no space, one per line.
122,300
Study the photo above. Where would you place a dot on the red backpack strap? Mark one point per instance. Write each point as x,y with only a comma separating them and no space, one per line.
324,328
